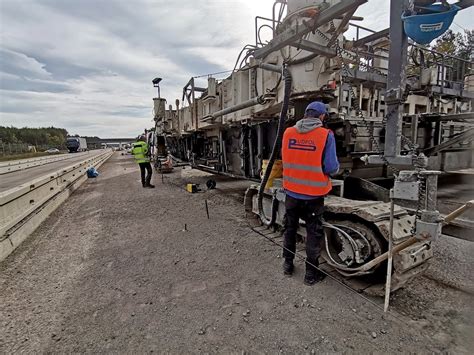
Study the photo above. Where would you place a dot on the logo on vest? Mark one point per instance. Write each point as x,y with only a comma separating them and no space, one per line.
302,144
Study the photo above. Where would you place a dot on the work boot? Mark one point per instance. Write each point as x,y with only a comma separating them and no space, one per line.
150,186
288,267
312,277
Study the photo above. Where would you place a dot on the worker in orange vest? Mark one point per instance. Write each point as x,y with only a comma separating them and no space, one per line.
309,157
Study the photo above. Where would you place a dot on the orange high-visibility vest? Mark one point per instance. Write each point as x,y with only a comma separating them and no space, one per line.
302,155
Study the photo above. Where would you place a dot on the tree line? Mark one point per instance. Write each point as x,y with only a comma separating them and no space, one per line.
457,44
46,136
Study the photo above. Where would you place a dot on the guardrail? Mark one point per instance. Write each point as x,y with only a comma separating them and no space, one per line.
22,164
23,208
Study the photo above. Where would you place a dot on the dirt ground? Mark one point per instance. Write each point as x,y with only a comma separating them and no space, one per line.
119,268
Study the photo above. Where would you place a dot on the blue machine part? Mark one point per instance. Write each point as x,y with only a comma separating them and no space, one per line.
92,172
424,28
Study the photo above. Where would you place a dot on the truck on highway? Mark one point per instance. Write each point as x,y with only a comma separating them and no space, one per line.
76,144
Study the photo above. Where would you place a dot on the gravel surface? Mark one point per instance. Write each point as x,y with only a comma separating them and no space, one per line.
119,268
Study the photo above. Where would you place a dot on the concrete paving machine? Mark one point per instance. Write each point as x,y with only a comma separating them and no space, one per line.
401,114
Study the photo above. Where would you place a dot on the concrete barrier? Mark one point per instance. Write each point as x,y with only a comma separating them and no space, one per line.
23,208
22,164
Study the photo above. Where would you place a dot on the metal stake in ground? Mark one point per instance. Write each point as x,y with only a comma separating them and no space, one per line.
207,209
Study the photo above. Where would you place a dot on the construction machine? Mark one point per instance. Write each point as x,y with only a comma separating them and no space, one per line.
402,114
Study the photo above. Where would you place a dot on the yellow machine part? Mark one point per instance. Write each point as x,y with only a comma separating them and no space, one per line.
192,188
277,172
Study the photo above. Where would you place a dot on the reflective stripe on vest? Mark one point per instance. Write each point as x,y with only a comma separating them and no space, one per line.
316,169
302,155
306,182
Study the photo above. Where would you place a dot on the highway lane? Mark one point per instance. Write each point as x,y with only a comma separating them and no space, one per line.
11,180
43,157
28,163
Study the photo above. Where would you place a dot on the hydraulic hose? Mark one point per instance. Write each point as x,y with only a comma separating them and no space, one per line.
276,148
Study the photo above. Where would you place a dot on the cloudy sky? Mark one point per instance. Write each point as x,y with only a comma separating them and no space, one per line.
87,65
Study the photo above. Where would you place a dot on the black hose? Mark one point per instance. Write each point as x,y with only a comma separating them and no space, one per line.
302,60
276,148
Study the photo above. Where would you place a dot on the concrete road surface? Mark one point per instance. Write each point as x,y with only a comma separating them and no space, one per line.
122,269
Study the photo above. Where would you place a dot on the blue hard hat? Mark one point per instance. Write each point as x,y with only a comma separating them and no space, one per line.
315,109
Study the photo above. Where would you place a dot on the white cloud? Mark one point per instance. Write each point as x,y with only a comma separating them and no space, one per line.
87,65
22,64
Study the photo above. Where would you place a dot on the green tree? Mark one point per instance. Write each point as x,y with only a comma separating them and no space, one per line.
465,45
447,43
457,44
52,136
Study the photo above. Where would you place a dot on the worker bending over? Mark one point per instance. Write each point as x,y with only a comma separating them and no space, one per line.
309,157
141,152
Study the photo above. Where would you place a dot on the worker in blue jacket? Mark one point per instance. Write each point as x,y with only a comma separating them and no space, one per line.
309,158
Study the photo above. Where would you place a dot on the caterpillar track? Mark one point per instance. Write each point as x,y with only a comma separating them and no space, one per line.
356,232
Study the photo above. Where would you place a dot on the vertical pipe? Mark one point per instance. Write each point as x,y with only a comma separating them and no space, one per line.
194,118
431,192
275,151
242,143
259,147
388,283
340,98
369,106
177,117
443,74
251,156
396,78
186,148
414,128
256,32
223,151
372,132
437,133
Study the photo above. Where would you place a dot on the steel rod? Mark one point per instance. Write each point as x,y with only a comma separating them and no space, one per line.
243,105
388,283
271,67
456,213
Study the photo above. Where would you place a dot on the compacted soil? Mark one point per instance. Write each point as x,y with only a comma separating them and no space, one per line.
119,268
